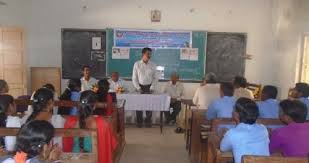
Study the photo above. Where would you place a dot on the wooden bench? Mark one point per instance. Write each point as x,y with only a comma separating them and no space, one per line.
213,152
117,121
273,159
198,118
68,157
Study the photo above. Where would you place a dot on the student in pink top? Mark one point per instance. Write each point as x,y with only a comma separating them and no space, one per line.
291,140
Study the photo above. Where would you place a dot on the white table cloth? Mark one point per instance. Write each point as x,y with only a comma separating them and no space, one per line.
146,102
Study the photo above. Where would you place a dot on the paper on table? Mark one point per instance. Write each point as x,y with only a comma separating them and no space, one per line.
194,54
121,53
96,43
185,54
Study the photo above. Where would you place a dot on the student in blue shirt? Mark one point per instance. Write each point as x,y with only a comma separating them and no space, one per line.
301,92
222,107
269,106
248,137
71,93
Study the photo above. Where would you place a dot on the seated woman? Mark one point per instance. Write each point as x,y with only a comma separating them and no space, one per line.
71,93
43,104
30,109
105,96
8,119
106,139
248,138
34,143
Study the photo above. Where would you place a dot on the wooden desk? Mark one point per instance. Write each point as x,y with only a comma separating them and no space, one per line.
188,104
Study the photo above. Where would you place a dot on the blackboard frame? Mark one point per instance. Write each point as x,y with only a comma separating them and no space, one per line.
85,30
245,48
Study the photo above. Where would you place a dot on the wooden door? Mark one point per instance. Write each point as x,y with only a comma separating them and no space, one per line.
44,75
13,60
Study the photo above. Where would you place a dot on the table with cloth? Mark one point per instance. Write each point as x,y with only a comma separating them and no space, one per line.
146,102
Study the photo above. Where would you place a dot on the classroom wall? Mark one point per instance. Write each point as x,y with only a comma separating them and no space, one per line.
45,18
291,22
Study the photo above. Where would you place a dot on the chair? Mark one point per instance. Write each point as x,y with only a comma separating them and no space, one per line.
256,90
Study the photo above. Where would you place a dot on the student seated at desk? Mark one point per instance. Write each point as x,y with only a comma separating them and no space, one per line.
292,140
301,93
240,84
43,104
71,93
222,107
269,106
175,89
207,92
86,120
33,144
248,138
8,119
30,109
104,95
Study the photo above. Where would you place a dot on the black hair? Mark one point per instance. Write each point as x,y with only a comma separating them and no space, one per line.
227,89
73,85
270,91
87,102
302,88
247,109
3,86
211,78
32,137
146,50
5,101
240,81
295,109
40,101
49,86
85,66
103,86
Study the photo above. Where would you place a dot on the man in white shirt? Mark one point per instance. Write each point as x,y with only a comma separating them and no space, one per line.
207,92
87,81
144,79
240,85
175,89
115,83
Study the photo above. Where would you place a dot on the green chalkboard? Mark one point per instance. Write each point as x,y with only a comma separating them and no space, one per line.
168,58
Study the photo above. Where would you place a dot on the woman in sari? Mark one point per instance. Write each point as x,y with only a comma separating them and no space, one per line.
86,120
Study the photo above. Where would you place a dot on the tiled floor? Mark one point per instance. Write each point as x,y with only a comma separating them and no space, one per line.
149,146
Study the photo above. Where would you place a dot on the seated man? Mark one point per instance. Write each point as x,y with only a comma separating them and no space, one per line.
248,138
175,89
292,140
116,84
222,107
240,84
207,92
269,107
301,92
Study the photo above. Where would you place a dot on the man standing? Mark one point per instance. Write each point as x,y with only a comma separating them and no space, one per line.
175,89
87,81
144,80
116,84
